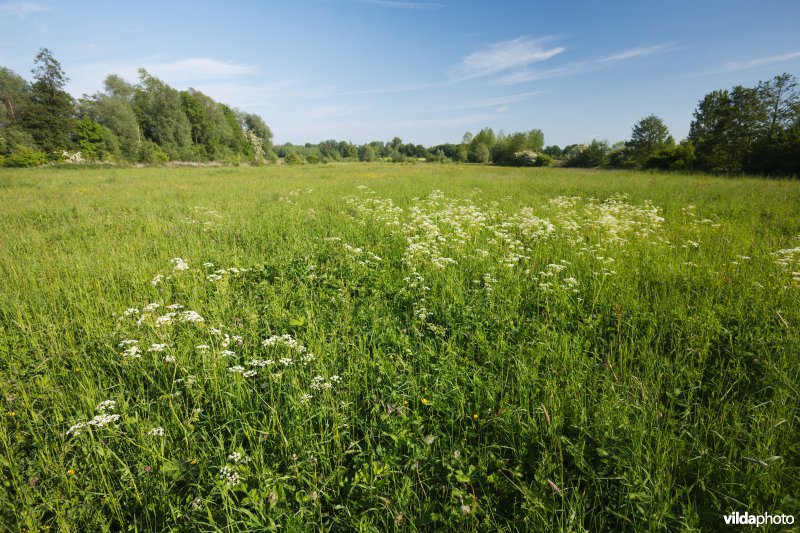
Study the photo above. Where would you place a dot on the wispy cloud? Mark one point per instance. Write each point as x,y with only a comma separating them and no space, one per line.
478,103
22,9
733,66
88,77
200,68
524,75
404,5
504,56
393,89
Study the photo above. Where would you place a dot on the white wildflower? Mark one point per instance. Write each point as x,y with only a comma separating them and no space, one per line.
156,432
157,348
102,420
260,362
180,264
229,475
165,319
238,458
107,405
132,351
191,316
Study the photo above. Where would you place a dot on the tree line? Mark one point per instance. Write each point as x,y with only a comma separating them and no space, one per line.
742,130
753,130
148,122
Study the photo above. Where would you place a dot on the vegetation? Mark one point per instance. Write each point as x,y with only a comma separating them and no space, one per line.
754,130
377,347
149,122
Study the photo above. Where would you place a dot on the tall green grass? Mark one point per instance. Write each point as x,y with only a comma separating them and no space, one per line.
622,373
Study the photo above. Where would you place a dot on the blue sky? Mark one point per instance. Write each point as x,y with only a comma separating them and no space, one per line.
365,70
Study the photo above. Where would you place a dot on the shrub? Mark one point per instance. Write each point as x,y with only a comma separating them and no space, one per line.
150,152
293,158
24,156
543,160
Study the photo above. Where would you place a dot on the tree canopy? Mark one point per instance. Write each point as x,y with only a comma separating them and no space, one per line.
149,121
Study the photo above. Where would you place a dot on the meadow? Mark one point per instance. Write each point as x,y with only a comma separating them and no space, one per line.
396,347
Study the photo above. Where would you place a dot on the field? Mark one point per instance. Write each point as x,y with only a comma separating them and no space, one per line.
410,347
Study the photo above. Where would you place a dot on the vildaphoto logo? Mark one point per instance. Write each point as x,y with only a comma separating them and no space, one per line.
758,520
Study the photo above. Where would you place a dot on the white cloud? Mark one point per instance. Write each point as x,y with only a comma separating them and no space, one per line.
88,78
21,9
405,5
503,56
733,66
199,68
634,53
523,75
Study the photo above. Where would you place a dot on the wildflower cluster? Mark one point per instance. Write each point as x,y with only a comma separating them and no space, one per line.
789,260
103,419
231,474
439,231
220,273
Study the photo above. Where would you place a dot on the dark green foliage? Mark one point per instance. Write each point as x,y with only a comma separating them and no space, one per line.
150,152
461,155
257,125
150,122
749,129
543,160
553,151
649,136
293,158
112,109
367,153
593,155
14,96
671,157
24,156
519,148
96,142
329,150
48,114
161,117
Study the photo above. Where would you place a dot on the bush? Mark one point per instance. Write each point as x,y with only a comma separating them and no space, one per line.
24,156
293,158
150,152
